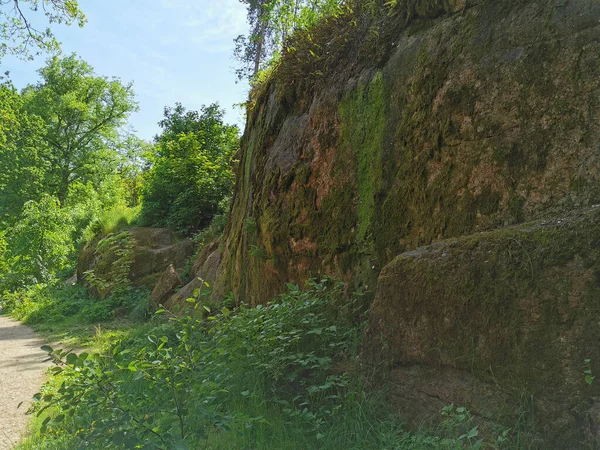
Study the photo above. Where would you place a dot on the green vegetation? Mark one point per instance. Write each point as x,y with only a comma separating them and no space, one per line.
62,135
18,35
82,114
363,122
191,170
272,22
282,376
66,313
291,373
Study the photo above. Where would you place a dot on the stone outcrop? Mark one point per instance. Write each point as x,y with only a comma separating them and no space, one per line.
403,156
476,115
204,272
147,252
165,287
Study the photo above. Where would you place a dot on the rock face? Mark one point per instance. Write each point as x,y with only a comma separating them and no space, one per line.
144,253
476,115
519,308
468,117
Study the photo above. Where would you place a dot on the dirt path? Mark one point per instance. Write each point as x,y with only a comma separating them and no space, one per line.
21,375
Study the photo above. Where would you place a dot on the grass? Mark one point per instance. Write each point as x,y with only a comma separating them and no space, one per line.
64,313
118,218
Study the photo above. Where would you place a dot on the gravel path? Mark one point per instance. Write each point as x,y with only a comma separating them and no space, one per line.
21,375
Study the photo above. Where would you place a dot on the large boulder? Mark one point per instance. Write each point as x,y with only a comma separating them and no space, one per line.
142,253
204,272
168,282
501,322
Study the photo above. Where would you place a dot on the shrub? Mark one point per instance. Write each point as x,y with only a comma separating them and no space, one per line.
274,377
180,386
40,243
192,173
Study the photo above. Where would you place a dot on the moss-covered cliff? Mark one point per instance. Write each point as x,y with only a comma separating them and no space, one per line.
401,152
451,118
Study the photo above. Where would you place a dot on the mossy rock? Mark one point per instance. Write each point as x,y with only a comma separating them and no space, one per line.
152,251
518,308
460,117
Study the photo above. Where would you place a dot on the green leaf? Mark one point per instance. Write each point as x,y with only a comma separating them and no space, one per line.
46,348
71,359
473,433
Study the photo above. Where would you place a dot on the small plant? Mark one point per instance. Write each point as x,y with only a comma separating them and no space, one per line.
587,371
257,252
459,419
120,247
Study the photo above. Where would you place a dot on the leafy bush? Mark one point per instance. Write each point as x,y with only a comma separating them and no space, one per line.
272,377
191,172
118,248
179,388
53,305
40,243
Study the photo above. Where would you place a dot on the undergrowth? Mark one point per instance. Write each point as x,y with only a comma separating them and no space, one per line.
282,376
68,314
116,219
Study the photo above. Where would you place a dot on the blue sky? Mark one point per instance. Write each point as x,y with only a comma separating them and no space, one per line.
173,51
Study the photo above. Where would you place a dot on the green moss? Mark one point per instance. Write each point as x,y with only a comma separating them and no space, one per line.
363,115
515,207
518,305
412,151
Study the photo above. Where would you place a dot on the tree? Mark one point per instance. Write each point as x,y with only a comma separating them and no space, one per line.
41,241
82,113
191,172
271,23
19,136
18,35
135,155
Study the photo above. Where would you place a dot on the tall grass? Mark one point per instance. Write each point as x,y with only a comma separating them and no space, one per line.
110,221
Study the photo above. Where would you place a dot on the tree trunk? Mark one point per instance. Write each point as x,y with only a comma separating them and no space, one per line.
259,47
63,188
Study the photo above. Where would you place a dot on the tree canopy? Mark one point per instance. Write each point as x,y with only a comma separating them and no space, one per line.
19,135
63,160
18,34
82,113
271,23
191,172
